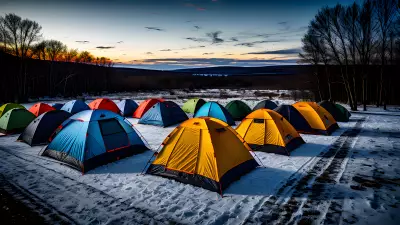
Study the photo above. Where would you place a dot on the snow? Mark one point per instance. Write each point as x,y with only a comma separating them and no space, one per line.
120,190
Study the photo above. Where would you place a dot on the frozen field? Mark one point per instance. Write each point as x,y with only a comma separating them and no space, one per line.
350,177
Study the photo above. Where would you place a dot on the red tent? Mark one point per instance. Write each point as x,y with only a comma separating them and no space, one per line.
145,106
104,103
40,108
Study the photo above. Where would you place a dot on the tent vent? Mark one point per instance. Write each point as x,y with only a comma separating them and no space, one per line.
102,116
258,120
196,123
220,130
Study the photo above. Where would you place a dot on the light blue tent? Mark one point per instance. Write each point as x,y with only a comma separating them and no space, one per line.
215,110
92,138
127,107
164,114
75,106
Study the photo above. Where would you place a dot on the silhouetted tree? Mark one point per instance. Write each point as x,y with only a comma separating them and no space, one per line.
19,34
354,37
386,15
39,50
70,55
365,43
311,55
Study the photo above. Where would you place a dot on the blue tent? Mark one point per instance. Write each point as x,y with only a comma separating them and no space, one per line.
164,114
75,106
215,110
295,118
57,106
127,107
92,138
266,104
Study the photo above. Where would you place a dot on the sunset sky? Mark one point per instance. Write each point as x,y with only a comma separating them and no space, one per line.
172,34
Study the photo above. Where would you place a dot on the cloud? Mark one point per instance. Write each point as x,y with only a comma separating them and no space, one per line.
208,53
289,51
285,26
165,50
83,42
149,53
191,5
105,47
177,63
215,39
154,28
234,39
120,42
197,39
253,43
197,27
229,54
212,38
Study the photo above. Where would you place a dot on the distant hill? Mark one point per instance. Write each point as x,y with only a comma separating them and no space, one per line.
232,70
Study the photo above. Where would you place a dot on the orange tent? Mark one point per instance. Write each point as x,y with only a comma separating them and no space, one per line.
40,108
145,106
320,120
104,103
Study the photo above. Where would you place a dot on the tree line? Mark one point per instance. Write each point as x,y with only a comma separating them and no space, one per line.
354,38
23,38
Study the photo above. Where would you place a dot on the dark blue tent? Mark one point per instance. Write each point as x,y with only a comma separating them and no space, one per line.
57,106
127,107
266,104
295,118
164,114
40,129
75,106
215,110
93,138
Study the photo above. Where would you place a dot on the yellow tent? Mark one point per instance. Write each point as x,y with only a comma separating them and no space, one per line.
268,131
320,120
205,152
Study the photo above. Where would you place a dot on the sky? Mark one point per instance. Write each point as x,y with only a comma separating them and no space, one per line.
175,34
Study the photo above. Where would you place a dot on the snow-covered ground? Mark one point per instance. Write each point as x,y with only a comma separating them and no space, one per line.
363,181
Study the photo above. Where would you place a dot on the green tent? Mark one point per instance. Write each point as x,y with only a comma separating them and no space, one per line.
4,108
15,120
343,110
238,109
192,105
337,111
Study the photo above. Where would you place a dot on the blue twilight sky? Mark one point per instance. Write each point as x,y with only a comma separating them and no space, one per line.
171,34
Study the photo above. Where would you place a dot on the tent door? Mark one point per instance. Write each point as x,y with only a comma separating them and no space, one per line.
114,136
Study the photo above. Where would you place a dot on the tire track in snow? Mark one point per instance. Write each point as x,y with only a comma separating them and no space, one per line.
69,189
326,202
292,197
50,214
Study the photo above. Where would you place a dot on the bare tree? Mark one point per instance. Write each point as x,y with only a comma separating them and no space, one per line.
70,55
351,30
311,55
386,15
4,38
327,25
85,57
365,43
19,35
39,50
54,49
